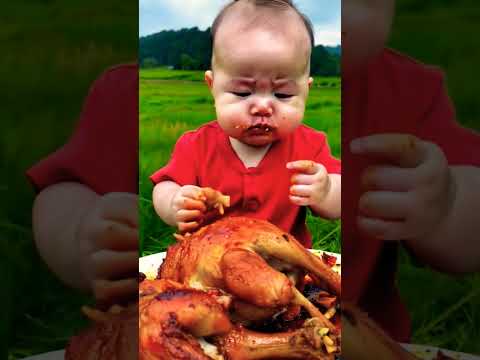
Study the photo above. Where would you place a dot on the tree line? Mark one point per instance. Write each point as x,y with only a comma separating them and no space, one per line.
190,49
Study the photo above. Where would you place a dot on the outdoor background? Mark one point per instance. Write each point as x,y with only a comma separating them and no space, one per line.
50,56
175,99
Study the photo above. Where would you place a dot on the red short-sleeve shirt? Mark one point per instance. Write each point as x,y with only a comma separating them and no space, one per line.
205,158
103,150
395,95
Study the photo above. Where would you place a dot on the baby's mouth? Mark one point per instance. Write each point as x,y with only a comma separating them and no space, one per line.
262,127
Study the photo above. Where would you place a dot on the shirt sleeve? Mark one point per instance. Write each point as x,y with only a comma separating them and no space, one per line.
439,126
102,153
181,168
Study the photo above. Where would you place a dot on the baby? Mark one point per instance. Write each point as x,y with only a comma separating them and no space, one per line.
257,151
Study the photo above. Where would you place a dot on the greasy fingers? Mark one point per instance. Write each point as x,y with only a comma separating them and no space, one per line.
300,201
303,166
116,236
383,229
386,204
301,190
192,204
110,265
388,178
110,291
187,226
189,215
299,178
401,149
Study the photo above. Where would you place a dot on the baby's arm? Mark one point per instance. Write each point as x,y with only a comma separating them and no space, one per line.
179,206
313,186
87,239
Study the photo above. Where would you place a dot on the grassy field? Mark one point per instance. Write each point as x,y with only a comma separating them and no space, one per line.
172,102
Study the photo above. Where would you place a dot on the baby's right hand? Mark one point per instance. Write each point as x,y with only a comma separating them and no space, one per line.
108,242
188,208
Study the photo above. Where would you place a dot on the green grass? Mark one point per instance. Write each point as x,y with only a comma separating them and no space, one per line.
172,102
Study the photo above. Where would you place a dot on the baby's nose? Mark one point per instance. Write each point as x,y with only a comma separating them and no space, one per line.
261,107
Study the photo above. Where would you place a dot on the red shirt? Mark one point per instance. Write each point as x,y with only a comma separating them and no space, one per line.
103,151
395,94
205,158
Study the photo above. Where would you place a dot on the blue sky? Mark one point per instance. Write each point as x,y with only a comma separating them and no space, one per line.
157,15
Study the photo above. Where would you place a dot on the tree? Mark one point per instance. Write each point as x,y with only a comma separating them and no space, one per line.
149,62
187,62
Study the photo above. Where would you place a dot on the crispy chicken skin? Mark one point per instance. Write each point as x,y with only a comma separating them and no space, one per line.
249,258
113,335
172,316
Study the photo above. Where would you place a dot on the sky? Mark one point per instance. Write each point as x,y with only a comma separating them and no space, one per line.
158,15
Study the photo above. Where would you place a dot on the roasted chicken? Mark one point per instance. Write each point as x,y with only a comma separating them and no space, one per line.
172,317
254,261
310,342
112,335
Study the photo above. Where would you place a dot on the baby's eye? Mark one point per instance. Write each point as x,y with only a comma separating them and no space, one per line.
283,96
241,93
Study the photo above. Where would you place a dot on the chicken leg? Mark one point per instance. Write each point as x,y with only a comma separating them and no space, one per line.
304,343
246,273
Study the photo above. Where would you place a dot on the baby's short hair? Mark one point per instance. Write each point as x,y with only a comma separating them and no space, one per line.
273,4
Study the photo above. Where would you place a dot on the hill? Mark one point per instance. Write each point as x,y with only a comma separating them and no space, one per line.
190,49
334,50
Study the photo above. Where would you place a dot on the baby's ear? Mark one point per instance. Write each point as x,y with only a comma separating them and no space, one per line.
310,82
209,78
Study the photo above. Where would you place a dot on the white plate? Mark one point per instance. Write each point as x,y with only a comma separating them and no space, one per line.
430,352
54,355
149,264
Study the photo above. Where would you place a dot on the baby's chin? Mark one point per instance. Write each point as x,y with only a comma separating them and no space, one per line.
258,140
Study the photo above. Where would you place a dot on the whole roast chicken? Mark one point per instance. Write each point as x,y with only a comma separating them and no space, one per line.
172,318
254,261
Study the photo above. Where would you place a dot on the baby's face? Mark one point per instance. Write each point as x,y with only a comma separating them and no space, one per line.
260,80
365,29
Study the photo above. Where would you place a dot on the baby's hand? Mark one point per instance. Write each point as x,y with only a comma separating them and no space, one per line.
311,183
188,205
108,240
408,195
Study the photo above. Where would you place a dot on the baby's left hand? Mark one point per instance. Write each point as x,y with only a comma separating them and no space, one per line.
311,183
409,192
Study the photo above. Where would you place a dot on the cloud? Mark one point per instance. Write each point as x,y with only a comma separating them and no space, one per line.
157,15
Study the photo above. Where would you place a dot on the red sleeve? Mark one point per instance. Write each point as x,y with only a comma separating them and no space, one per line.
182,165
103,151
460,145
